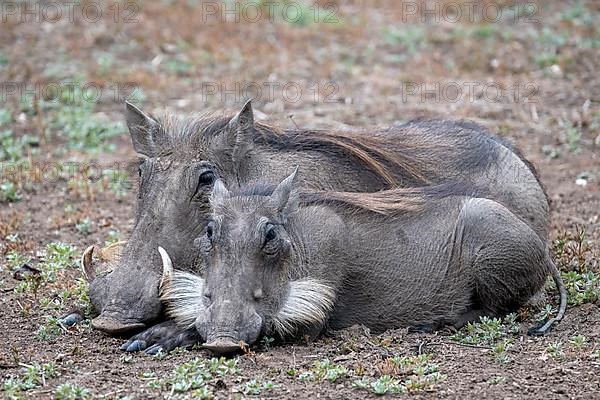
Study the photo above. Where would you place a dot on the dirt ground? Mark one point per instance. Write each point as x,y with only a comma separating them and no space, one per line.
533,70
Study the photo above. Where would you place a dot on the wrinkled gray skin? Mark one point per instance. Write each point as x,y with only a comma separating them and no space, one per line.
472,257
183,158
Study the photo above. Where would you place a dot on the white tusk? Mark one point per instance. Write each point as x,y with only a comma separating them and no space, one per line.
86,264
167,267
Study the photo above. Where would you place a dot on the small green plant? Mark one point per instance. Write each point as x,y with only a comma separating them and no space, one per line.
573,136
411,37
195,375
555,350
418,372
14,259
111,237
69,391
74,119
266,342
5,117
9,192
255,387
50,330
84,226
497,380
324,370
500,351
578,341
14,148
380,386
545,313
582,288
488,331
32,376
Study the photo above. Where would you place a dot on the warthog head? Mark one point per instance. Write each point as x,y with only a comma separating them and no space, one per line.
175,181
246,289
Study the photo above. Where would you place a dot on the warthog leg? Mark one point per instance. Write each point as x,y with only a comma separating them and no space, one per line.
162,337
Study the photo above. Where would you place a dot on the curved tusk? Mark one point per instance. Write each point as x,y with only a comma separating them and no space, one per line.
167,268
87,269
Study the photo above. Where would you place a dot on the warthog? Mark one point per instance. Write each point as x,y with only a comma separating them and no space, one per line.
275,266
183,158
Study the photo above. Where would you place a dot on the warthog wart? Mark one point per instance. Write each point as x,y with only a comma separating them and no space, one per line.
182,157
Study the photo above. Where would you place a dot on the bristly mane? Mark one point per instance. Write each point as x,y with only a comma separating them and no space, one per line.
399,156
378,152
383,202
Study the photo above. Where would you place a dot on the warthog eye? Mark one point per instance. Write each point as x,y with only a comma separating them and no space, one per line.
210,230
270,246
270,235
206,178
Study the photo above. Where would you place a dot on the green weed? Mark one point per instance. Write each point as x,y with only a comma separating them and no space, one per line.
324,370
488,331
69,391
255,387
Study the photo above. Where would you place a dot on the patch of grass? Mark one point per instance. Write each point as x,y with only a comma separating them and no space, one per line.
500,351
14,148
74,119
577,262
69,391
582,287
485,31
578,341
403,374
545,313
383,385
15,259
32,376
578,15
59,256
555,350
84,227
5,117
573,251
196,375
488,331
9,192
412,38
497,380
50,330
255,387
572,136
118,182
324,370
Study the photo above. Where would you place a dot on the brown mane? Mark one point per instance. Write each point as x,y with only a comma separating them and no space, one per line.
393,201
399,156
378,153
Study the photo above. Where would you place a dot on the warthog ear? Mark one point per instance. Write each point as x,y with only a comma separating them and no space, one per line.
219,193
285,197
239,131
144,130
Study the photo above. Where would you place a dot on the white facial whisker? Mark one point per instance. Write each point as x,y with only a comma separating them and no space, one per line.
308,303
182,296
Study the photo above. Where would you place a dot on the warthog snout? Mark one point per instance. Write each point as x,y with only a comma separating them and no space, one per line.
114,326
225,345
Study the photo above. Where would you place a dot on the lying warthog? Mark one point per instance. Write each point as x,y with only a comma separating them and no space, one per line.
275,266
183,157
